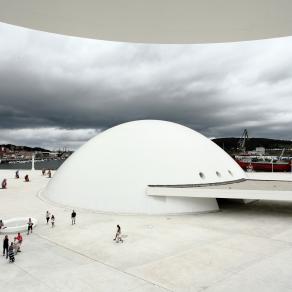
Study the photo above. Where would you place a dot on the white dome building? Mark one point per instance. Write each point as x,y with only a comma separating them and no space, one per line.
112,171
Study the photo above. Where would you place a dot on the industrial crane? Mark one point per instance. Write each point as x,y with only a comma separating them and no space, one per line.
242,141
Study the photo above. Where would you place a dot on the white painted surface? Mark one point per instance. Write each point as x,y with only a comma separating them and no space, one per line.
14,225
221,193
280,176
238,249
32,162
111,172
276,187
154,21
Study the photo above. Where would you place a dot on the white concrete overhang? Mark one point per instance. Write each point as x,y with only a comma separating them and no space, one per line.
278,190
154,21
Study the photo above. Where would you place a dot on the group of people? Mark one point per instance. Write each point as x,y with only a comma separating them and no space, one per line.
4,181
49,173
50,217
26,177
118,236
10,250
17,176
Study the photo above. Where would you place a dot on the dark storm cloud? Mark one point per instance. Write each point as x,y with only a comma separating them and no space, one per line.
68,88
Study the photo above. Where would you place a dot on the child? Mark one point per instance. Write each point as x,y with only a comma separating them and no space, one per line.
53,221
11,253
73,217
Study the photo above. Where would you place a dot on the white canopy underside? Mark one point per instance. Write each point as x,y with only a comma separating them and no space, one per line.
246,189
154,21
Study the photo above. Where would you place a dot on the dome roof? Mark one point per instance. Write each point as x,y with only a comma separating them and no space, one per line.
111,172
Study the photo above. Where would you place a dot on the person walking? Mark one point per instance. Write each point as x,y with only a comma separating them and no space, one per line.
4,184
17,174
29,226
73,217
48,215
49,173
53,221
118,236
1,224
5,246
11,253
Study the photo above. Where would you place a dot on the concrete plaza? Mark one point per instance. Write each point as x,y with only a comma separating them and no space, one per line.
240,248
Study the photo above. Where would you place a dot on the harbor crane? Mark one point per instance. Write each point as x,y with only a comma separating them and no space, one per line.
242,141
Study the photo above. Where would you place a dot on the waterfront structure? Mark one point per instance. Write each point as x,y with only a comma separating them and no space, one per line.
238,250
112,171
157,167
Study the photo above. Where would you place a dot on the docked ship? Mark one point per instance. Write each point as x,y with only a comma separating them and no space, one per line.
256,164
261,162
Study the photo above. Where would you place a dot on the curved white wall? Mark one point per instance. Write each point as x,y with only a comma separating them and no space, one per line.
111,172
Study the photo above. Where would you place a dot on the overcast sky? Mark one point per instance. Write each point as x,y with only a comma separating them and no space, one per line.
58,91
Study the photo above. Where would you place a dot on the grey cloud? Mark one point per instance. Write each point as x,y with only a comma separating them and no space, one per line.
57,82
49,138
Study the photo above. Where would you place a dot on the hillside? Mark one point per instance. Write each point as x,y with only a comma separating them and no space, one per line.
231,144
23,148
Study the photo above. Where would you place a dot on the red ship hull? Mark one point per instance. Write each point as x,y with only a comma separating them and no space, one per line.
265,166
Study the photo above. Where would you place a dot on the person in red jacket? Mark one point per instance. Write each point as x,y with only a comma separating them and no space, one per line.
18,242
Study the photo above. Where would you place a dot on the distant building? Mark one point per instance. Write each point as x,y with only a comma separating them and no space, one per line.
260,150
